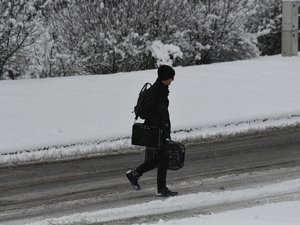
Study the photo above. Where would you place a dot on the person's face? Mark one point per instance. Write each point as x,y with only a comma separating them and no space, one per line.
168,82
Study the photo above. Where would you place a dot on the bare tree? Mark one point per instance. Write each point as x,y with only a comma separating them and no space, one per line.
17,31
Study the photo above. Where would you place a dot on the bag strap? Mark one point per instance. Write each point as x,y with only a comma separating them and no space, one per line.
145,87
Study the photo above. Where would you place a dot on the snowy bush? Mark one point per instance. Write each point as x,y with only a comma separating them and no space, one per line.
18,21
98,36
45,60
164,54
216,33
49,38
265,21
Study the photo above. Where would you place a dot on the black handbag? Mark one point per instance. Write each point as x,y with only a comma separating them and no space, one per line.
176,152
145,135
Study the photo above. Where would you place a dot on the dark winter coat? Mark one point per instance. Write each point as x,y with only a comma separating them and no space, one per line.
159,115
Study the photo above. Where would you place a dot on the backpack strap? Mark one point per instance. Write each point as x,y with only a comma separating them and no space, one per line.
145,87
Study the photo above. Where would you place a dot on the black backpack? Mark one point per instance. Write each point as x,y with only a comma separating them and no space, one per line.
143,105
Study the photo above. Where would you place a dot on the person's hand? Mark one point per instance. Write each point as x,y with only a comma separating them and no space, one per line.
168,139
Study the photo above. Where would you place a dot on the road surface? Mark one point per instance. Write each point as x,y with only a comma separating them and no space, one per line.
56,189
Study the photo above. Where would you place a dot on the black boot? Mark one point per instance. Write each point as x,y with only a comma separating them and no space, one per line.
133,177
165,192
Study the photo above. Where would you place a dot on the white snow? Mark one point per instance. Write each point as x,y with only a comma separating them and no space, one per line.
268,214
164,53
92,115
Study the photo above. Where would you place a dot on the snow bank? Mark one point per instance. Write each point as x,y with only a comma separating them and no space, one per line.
92,114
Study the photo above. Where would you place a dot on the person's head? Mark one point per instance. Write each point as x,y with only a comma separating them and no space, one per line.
166,74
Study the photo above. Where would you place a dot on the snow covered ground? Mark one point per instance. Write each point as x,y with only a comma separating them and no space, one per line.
270,214
75,116
83,115
280,213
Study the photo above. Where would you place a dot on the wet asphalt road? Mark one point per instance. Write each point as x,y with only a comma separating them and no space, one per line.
57,189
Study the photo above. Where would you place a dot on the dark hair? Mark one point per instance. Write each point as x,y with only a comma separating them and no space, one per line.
165,72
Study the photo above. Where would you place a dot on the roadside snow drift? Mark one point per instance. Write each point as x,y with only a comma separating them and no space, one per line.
266,214
93,114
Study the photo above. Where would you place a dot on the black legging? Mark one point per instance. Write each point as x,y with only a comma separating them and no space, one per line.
155,158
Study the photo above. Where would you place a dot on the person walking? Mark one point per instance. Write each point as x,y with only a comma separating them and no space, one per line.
159,117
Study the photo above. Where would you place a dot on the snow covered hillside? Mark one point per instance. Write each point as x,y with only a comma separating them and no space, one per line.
92,114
